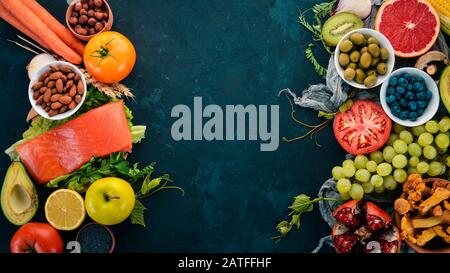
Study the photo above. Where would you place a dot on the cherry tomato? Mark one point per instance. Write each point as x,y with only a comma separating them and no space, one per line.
109,57
363,128
36,238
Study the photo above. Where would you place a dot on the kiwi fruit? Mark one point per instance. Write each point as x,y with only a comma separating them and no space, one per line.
338,25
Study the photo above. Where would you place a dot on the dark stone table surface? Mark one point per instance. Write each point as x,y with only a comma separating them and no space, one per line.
227,52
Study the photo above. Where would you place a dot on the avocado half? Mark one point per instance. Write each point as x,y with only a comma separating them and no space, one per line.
19,199
444,87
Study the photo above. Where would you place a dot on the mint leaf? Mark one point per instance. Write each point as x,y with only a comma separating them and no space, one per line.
137,214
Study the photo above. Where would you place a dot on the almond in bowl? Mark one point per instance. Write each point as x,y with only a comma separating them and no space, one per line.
57,90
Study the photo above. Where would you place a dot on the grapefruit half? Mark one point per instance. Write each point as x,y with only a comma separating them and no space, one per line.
412,26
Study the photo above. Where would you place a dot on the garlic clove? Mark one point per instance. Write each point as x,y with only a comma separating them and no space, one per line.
37,62
362,8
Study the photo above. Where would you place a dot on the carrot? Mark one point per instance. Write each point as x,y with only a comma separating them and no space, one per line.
5,15
58,28
22,13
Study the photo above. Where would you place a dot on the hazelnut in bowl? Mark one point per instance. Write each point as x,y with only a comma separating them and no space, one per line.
86,18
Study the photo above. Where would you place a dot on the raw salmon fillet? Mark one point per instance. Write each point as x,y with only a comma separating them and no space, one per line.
66,148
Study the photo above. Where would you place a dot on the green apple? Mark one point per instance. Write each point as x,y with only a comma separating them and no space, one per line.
109,201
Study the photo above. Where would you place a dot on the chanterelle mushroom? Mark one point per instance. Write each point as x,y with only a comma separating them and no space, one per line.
415,196
432,221
440,184
437,211
407,230
402,206
446,205
439,195
413,183
439,232
426,236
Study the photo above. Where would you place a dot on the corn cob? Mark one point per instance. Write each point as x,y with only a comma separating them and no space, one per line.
442,8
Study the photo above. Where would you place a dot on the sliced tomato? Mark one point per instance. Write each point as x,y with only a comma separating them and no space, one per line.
363,128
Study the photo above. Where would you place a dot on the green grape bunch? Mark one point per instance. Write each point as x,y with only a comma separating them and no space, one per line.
421,149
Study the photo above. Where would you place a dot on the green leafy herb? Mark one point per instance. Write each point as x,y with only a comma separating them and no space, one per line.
138,133
320,70
345,106
320,11
302,203
137,214
326,115
81,179
151,186
115,165
313,29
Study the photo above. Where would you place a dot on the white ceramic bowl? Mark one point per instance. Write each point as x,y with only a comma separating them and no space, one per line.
35,78
433,104
384,43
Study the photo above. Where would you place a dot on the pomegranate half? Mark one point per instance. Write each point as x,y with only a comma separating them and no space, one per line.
363,227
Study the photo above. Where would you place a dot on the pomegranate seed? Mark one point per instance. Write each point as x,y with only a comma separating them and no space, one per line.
375,223
345,242
388,247
348,217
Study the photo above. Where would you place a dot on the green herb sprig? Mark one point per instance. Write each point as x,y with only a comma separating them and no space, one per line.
302,204
149,187
320,70
320,11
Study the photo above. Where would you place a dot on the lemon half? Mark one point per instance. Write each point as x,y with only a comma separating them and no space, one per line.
64,209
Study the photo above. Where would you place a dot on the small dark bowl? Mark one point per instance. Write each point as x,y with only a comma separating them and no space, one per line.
90,225
86,38
431,247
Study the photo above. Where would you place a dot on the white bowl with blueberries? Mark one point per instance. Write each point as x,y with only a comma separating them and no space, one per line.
410,97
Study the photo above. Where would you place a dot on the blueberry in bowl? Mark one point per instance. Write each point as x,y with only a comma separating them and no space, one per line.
410,97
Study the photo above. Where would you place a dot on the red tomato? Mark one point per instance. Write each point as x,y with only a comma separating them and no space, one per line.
36,238
363,128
